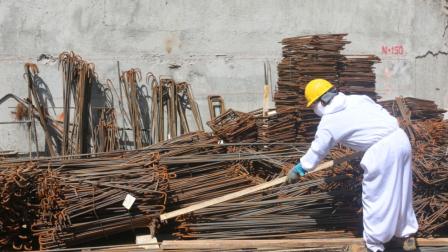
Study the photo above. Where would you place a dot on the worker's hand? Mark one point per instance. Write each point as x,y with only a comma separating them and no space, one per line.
294,174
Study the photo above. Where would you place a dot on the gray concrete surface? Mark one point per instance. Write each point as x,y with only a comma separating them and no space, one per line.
220,45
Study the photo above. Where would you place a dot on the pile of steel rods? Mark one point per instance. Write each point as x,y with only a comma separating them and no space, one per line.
52,133
319,56
67,134
65,202
279,127
157,111
105,135
431,176
84,199
203,169
420,109
171,103
19,205
207,181
137,107
294,211
356,75
234,126
79,77
306,58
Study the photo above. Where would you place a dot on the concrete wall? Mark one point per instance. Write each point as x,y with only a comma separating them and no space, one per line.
220,45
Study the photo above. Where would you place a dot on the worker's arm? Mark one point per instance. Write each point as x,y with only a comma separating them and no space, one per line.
320,147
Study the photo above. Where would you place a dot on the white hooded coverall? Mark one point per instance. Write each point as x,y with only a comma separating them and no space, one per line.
358,122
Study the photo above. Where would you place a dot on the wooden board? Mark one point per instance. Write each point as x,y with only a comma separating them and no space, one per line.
284,243
234,195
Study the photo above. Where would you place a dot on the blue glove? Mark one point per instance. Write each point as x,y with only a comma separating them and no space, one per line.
299,170
294,173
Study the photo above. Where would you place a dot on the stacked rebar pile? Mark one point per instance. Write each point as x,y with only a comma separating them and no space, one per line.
202,172
36,109
323,202
199,168
319,56
356,75
79,76
420,109
234,126
306,58
137,107
280,127
172,105
82,199
76,130
431,176
203,169
279,213
69,202
19,205
105,135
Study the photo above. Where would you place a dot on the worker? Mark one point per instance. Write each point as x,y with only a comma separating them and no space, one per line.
356,121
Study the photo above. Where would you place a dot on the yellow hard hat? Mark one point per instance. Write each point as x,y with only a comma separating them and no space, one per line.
315,89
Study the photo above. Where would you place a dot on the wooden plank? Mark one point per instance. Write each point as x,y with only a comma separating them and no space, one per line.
234,195
259,244
432,242
221,199
284,243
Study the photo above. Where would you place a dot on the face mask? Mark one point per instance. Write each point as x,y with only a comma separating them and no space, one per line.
318,108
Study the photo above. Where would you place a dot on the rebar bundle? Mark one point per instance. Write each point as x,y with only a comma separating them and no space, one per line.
19,205
431,176
201,170
279,127
306,58
323,203
319,56
234,126
289,217
206,172
215,106
420,109
356,75
105,135
82,201
137,107
52,135
78,79
170,103
68,202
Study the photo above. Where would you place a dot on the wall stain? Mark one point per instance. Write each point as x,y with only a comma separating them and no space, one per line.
168,45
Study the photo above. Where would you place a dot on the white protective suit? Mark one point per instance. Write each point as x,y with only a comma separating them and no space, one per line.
358,122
